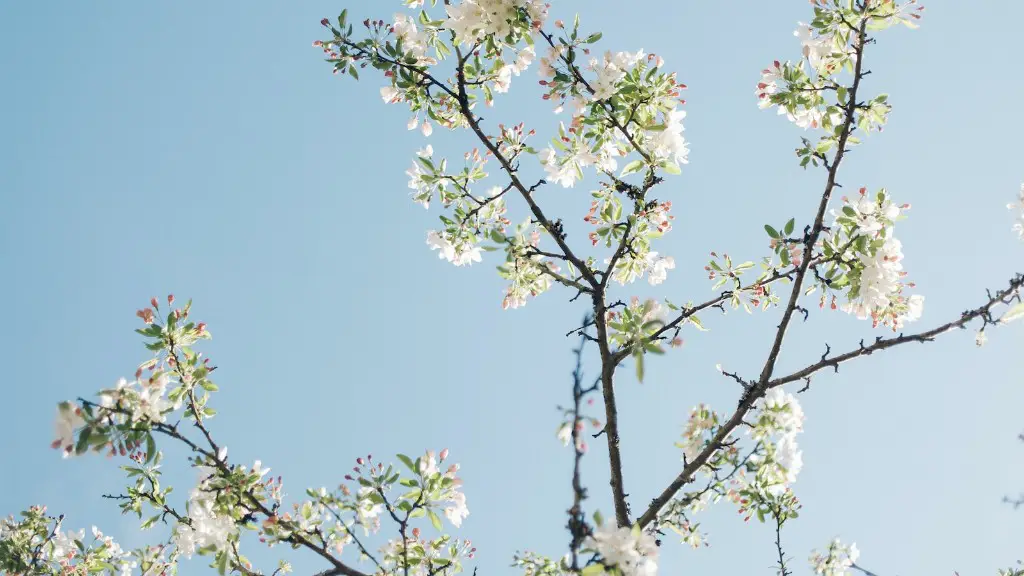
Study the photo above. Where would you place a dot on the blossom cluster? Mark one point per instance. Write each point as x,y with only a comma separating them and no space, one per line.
529,272
780,419
631,551
836,561
630,106
801,91
36,544
650,223
474,20
863,242
209,525
699,427
632,327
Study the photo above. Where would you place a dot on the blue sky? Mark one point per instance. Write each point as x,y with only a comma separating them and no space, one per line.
205,150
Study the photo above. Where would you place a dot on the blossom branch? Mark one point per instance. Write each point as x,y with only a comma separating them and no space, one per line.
1004,296
578,77
751,395
474,123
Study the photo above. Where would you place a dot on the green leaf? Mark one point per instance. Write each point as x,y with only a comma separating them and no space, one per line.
771,231
789,226
150,448
150,522
672,168
408,463
434,520
634,166
593,38
598,518
639,356
83,440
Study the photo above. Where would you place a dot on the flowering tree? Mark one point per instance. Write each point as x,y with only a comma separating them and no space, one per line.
622,129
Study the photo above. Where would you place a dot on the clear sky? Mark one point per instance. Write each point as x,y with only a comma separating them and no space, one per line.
204,149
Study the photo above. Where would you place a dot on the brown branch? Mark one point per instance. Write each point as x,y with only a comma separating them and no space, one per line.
611,424
984,311
819,220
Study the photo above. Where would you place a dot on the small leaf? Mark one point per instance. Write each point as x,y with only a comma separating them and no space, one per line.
150,448
771,231
671,168
434,520
789,226
634,166
408,463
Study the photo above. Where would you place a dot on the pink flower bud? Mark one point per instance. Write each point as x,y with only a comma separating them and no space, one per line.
170,299
325,22
360,461
444,454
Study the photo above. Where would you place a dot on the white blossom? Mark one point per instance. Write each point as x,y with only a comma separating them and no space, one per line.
669,144
390,94
456,510
207,525
610,71
836,561
815,49
659,270
414,40
785,409
438,242
69,419
769,84
633,551
472,20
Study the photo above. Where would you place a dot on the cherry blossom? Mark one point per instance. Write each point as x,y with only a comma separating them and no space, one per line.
69,419
836,561
633,551
208,525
